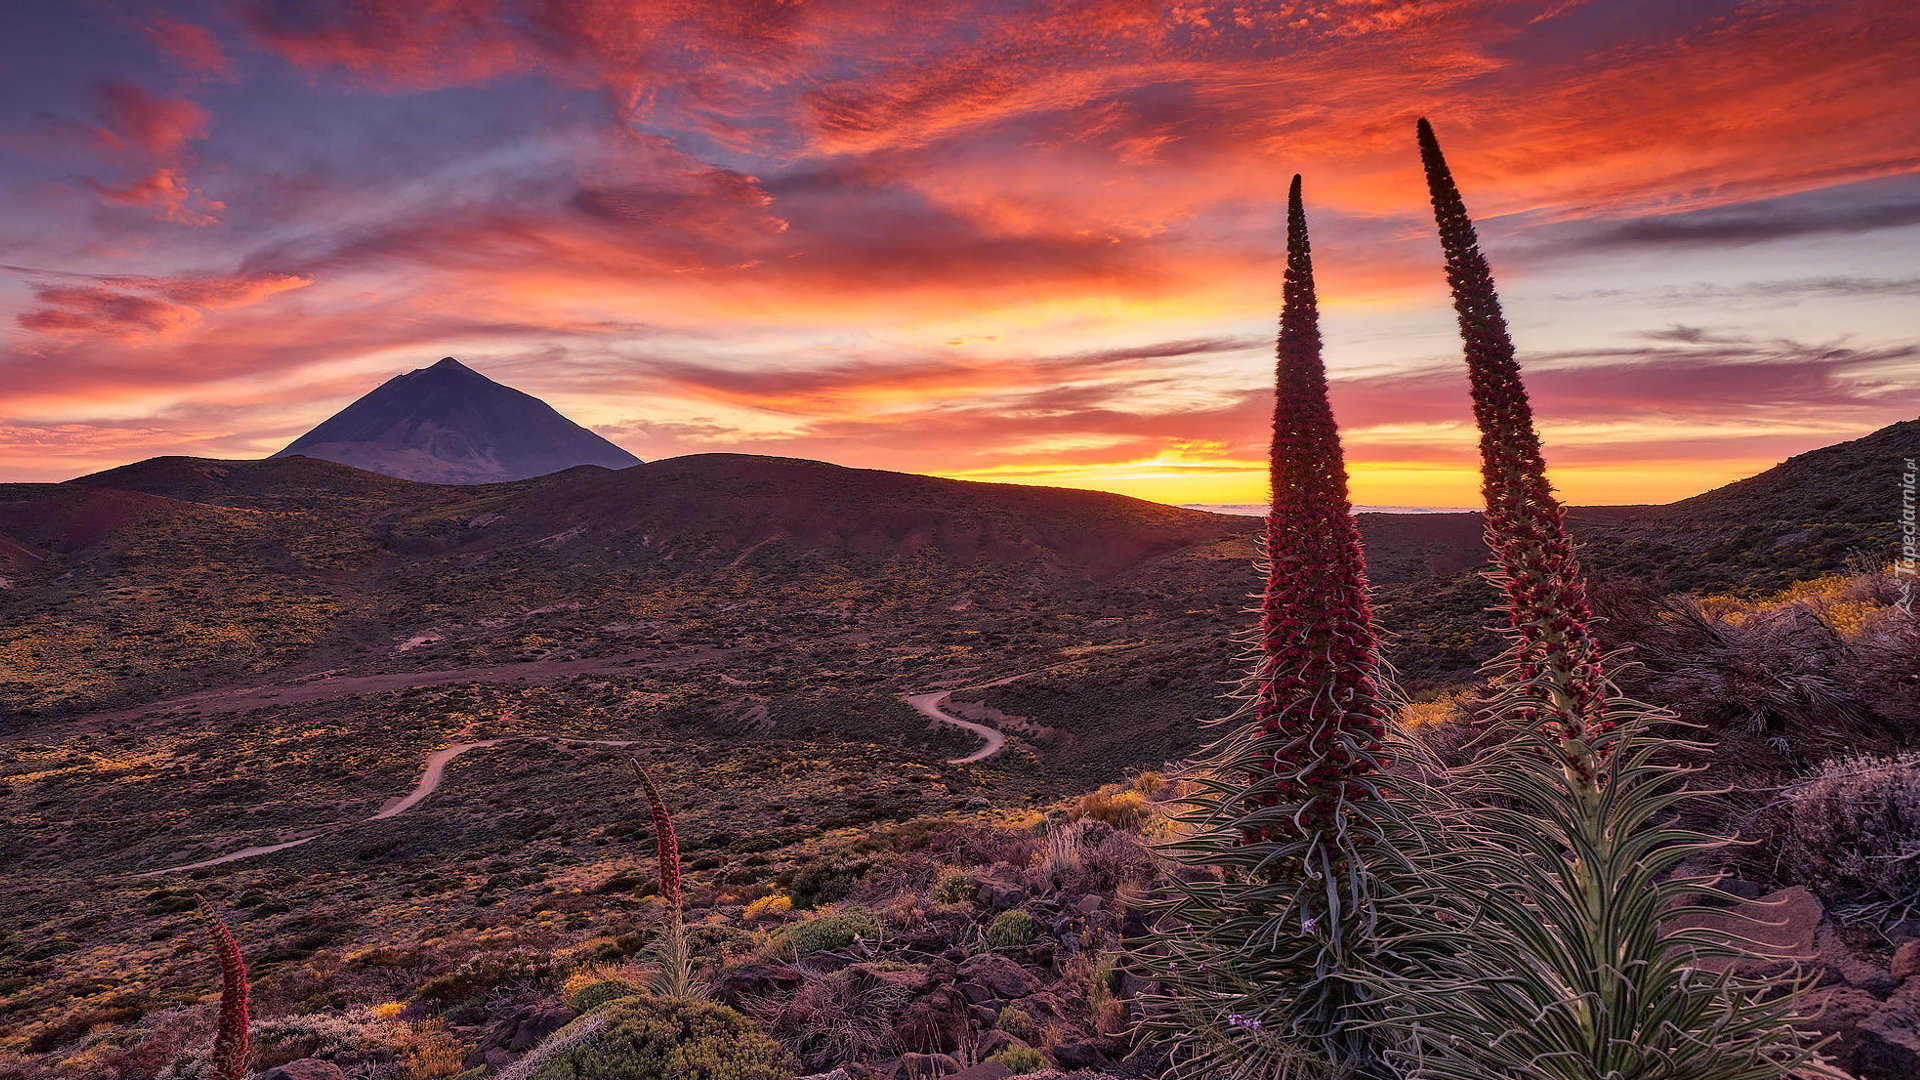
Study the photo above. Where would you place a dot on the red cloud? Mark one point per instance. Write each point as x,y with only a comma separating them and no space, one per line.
136,121
104,312
164,192
192,47
894,170
127,306
145,128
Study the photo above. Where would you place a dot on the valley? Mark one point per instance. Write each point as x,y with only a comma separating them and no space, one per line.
373,714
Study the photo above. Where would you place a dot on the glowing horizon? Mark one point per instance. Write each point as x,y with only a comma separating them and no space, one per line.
1031,242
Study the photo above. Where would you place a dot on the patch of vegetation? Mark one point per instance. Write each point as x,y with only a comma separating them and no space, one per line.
830,930
646,1038
1010,929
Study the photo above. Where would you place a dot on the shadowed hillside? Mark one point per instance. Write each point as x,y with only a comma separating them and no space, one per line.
1857,481
135,584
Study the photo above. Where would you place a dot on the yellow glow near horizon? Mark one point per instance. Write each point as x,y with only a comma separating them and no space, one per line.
1176,480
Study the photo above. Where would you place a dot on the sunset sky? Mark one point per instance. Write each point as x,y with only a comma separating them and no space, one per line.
1036,242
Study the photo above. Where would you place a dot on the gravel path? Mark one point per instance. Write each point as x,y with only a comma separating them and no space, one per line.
430,777
928,705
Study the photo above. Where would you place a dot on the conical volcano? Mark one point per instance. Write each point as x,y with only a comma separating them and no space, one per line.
449,424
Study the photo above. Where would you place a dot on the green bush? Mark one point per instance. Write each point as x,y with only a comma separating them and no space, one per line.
1018,1023
649,1038
831,930
619,948
1011,928
827,880
717,944
953,886
594,995
1022,1059
630,880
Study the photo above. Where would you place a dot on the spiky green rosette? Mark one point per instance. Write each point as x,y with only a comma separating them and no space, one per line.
1555,673
1261,967
1535,944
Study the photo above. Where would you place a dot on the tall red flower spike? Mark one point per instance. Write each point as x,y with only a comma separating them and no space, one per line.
1556,659
230,1042
666,844
1315,697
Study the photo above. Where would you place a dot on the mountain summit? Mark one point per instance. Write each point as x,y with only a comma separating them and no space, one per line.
449,424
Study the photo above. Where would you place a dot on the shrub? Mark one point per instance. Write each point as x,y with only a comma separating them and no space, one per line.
483,974
608,948
1010,929
717,944
831,930
630,880
845,1016
1123,807
47,950
1022,1059
649,1038
595,994
772,904
952,886
280,1039
1017,1022
827,880
434,1055
1852,835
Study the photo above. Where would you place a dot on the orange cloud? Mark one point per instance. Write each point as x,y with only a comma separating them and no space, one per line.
758,226
104,312
121,306
417,45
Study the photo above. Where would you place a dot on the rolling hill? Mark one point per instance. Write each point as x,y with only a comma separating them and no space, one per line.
130,585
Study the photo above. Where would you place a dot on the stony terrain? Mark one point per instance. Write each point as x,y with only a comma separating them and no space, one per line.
202,657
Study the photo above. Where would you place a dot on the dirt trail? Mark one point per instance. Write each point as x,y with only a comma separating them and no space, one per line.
928,705
310,688
243,853
430,777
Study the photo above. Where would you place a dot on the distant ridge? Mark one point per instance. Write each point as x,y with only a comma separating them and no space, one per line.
1260,509
449,424
1850,481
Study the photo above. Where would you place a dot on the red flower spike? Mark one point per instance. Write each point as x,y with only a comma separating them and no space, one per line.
666,843
230,1041
1555,654
1315,693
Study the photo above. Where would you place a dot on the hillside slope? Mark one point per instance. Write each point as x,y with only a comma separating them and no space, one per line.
1855,481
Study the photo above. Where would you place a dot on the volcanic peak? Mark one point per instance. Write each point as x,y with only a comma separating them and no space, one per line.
449,424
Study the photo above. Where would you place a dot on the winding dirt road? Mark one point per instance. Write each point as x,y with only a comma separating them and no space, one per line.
430,777
928,705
